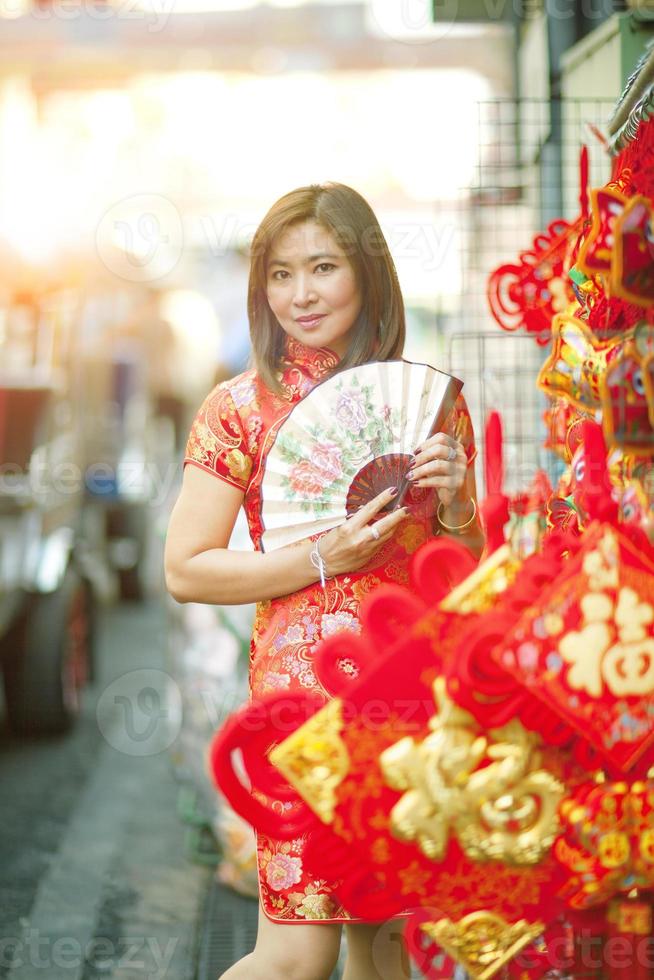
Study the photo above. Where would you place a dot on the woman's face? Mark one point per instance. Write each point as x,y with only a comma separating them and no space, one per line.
311,287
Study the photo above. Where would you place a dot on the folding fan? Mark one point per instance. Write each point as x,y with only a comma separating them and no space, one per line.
351,437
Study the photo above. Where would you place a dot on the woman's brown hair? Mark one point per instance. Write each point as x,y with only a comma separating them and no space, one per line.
380,327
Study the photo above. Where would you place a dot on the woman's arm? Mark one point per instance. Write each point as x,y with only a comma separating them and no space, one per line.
459,512
442,464
199,566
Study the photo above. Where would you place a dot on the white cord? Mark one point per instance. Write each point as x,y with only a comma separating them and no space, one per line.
318,562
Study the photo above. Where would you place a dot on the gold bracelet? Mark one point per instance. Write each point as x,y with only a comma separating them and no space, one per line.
460,527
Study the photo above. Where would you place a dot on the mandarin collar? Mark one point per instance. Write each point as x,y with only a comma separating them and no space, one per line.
315,362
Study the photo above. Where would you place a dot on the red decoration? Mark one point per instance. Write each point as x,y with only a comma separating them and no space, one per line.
563,422
628,400
585,649
576,363
630,933
608,842
495,506
596,251
632,274
527,296
386,695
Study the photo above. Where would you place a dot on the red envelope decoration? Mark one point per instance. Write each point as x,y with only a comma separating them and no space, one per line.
586,648
608,843
596,251
632,270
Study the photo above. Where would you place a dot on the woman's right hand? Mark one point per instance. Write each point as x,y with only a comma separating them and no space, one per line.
352,545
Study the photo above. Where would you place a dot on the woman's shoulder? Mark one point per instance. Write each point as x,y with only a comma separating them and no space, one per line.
222,437
238,393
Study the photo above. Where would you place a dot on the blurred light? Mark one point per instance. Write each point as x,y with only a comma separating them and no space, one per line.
412,21
217,5
11,9
197,330
227,6
269,61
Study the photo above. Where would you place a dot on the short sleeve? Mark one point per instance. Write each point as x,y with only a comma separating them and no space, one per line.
217,443
460,428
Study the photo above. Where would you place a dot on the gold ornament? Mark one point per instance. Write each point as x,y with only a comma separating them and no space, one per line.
486,789
482,942
315,760
614,647
631,916
481,589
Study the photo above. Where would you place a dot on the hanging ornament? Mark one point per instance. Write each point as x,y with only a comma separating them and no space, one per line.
632,267
576,363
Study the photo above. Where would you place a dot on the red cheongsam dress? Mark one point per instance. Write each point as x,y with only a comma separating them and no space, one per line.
230,438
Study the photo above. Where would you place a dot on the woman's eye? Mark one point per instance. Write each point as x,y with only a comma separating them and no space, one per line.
279,274
325,267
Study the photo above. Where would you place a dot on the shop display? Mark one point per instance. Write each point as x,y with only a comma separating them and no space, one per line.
485,766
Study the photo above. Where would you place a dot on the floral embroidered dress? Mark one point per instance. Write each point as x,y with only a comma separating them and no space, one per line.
231,436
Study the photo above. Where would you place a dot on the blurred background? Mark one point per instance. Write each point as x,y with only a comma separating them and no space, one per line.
141,142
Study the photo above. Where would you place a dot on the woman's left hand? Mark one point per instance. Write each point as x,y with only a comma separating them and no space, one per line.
440,462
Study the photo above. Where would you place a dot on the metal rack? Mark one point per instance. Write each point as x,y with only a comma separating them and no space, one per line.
527,174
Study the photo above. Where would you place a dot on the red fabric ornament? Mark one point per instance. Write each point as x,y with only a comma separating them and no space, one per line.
592,484
633,167
608,841
628,400
632,270
576,363
528,516
596,251
585,650
563,514
610,316
385,702
563,421
630,937
528,295
495,506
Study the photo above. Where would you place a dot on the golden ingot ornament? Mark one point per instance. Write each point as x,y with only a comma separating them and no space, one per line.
315,760
487,790
482,942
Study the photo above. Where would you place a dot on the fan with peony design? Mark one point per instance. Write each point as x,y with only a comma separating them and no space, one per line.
349,439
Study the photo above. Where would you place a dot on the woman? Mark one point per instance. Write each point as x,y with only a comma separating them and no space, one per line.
323,296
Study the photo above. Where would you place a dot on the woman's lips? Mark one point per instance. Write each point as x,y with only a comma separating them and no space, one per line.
311,321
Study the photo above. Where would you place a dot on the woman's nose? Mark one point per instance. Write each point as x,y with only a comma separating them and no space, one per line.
304,291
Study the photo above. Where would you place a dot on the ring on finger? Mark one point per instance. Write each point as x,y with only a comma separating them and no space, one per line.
375,533
451,454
